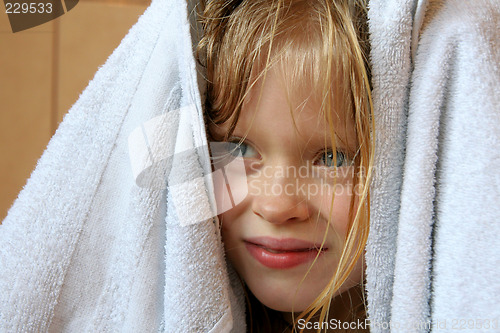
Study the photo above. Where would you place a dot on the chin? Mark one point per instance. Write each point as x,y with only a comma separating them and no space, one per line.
285,298
283,305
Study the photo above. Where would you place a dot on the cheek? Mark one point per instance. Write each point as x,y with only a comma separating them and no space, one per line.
233,204
232,225
231,232
229,177
341,194
227,225
229,235
340,213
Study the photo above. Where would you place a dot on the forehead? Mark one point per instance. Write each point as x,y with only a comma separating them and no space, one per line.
279,105
275,107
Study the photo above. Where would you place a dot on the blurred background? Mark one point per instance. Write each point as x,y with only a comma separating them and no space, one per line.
43,70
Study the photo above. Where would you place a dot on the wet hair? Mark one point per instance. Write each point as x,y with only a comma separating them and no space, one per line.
322,46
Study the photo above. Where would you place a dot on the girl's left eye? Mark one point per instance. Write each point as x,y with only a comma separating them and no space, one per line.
327,159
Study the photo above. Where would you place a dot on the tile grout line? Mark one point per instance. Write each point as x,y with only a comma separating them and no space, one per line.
55,78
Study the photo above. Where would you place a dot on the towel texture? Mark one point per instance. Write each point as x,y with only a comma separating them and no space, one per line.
390,24
115,231
90,245
432,257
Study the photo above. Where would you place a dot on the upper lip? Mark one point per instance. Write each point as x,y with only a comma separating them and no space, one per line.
284,244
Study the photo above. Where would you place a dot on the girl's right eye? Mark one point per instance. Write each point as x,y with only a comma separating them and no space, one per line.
246,150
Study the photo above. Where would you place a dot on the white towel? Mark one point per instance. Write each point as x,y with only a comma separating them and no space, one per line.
85,247
390,25
433,255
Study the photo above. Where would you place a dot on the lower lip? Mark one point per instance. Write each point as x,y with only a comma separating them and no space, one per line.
281,260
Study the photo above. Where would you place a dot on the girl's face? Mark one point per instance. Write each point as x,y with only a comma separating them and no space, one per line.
275,234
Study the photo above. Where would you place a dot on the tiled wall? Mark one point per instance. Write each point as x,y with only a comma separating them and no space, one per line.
42,72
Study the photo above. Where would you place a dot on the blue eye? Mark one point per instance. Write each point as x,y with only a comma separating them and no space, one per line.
224,152
327,159
237,147
246,151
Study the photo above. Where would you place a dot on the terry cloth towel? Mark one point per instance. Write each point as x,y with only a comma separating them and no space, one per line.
433,255
95,242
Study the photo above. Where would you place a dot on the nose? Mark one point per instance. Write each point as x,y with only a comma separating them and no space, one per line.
281,199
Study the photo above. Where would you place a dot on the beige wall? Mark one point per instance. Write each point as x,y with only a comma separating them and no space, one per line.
42,72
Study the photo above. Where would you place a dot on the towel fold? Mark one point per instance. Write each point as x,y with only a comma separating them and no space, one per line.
432,258
91,247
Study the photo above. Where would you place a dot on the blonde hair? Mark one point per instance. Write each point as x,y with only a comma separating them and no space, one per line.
324,42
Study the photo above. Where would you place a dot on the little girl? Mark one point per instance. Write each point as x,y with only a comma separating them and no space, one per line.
289,86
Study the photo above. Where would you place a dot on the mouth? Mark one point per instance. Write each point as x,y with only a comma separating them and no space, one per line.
283,253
